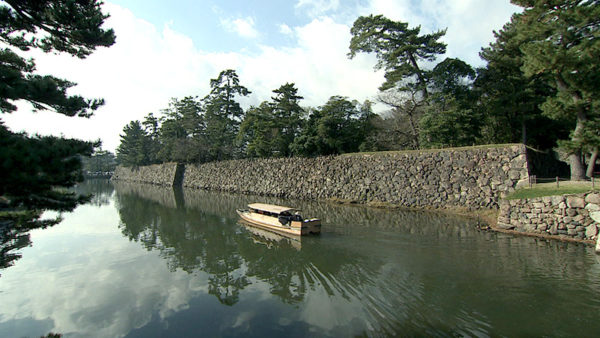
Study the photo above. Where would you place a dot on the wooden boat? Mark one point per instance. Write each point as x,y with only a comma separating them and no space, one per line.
283,220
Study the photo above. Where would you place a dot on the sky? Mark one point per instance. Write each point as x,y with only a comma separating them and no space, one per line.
171,49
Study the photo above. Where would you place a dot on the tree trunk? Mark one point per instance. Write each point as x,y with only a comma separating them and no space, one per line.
577,168
592,164
523,131
420,76
414,132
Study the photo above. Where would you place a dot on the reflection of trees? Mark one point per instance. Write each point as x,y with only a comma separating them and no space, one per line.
189,239
223,262
409,282
15,226
101,190
205,236
292,273
14,234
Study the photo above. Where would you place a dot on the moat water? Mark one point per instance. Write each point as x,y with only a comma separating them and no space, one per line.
145,261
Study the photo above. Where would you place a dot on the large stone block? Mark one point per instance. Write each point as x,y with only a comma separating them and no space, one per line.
556,200
575,202
593,198
595,215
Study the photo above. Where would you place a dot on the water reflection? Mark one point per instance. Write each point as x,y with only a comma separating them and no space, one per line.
371,270
271,239
162,262
14,230
199,231
14,235
99,190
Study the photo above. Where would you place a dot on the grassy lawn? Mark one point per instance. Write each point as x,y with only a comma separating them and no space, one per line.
550,189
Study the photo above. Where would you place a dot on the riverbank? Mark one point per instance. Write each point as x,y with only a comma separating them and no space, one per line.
568,216
486,220
469,181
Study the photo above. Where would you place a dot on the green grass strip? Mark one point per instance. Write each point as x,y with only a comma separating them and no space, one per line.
550,189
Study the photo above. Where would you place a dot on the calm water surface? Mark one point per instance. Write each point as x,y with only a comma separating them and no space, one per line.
143,261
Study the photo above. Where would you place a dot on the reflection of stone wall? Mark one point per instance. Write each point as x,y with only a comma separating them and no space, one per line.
161,194
571,215
159,174
472,177
337,217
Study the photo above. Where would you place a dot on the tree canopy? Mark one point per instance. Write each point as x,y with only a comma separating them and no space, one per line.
539,86
398,49
71,26
562,41
34,167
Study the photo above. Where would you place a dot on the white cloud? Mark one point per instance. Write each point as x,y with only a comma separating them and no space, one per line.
242,26
285,29
78,269
136,76
318,7
149,65
318,66
470,23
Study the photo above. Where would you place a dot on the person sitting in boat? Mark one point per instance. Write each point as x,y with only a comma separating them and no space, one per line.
297,217
285,218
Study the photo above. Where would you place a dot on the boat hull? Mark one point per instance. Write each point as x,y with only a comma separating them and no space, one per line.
296,228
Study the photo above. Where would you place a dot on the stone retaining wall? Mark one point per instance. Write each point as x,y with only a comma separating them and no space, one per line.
464,177
474,177
572,216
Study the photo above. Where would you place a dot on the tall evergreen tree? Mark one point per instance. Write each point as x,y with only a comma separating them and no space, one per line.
133,149
340,126
564,44
451,118
182,134
259,133
223,114
400,51
398,48
34,167
509,100
288,116
269,129
151,125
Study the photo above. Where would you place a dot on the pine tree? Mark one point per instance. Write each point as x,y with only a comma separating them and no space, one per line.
34,169
133,149
563,42
339,126
71,26
288,116
398,48
223,114
183,132
259,134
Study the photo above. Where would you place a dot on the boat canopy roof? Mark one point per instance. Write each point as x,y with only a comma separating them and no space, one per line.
276,209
